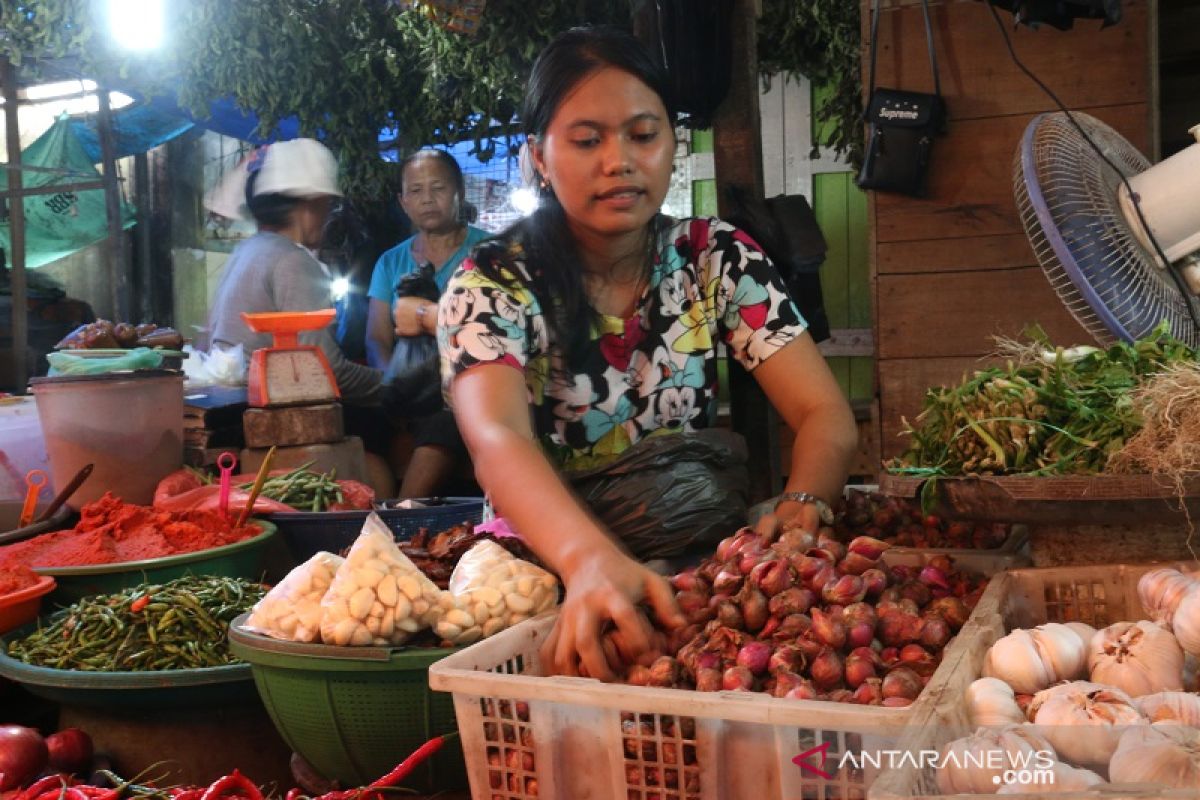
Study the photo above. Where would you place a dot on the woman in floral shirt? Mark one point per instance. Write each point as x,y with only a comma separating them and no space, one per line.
594,324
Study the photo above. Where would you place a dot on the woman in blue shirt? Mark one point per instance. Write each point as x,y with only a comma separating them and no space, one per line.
432,192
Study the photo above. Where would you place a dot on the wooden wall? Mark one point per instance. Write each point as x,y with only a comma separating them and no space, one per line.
952,270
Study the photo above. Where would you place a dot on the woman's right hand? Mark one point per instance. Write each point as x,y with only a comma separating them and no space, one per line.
602,599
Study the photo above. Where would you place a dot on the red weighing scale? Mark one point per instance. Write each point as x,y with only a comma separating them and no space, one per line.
287,372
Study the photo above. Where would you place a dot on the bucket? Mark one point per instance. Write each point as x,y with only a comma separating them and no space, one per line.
129,425
21,447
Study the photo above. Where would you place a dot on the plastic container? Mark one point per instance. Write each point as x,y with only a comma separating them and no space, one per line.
527,736
306,533
354,713
21,607
123,691
22,447
130,425
242,559
1099,595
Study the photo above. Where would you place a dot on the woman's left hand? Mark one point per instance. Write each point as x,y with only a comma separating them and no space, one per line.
806,515
410,320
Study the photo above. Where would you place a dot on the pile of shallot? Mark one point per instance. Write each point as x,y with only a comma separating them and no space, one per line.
808,617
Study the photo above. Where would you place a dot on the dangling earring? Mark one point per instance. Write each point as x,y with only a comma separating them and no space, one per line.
545,183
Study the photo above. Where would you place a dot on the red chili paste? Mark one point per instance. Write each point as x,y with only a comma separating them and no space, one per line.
16,578
111,531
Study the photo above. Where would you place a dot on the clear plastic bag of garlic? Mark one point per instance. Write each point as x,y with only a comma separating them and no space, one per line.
292,610
492,590
378,597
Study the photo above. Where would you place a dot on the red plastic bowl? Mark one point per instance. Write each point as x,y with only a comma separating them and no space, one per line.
22,606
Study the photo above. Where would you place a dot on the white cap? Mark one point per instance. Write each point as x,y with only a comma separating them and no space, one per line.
297,168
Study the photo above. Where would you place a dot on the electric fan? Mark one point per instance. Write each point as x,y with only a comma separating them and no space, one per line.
1088,236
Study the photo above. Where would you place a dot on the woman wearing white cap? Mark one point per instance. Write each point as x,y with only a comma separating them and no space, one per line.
289,191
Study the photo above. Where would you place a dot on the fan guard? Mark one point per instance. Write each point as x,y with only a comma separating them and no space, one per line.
1068,200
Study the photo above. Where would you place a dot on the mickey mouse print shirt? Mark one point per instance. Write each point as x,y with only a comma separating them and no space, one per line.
651,374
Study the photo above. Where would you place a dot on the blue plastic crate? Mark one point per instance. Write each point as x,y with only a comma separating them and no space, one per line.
306,533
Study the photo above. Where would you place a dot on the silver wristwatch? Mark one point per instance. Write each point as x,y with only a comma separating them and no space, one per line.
823,510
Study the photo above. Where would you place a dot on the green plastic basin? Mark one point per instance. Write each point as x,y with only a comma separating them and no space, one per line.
354,713
239,560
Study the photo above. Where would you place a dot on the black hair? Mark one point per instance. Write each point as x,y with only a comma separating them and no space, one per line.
448,161
544,236
269,210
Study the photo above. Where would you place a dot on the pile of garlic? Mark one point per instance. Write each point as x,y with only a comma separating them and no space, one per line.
292,609
490,590
378,596
1103,704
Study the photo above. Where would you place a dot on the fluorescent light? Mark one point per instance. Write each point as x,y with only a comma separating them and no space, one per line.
524,201
47,90
339,288
136,24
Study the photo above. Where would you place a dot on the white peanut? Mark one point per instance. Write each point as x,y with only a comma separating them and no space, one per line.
447,630
518,603
387,591
344,631
361,602
493,626
469,635
410,586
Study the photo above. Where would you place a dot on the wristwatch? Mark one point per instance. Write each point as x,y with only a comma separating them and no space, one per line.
823,510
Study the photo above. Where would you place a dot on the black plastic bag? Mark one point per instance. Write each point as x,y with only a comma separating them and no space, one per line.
671,495
412,381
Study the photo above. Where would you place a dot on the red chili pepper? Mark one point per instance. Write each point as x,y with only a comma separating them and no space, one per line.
405,767
193,793
294,793
235,784
140,603
56,782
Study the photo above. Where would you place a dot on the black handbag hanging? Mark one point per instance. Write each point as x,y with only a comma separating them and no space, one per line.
901,126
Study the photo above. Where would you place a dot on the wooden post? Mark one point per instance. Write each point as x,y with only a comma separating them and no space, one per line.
144,276
737,158
16,228
118,272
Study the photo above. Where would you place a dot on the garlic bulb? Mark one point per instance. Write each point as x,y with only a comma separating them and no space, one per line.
1136,657
1168,755
1030,660
1186,621
1175,707
1084,631
990,703
1065,779
1083,720
974,764
1160,591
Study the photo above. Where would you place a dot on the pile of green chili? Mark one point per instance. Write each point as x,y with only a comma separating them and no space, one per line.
181,624
304,490
1050,412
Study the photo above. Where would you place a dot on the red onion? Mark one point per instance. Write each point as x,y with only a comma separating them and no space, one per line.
679,637
917,592
728,581
795,600
689,581
918,659
932,576
751,556
901,682
837,550
898,629
951,609
827,630
772,576
935,633
23,754
902,573
708,680
876,581
822,553
708,570
827,670
889,656
728,548
755,656
845,590
868,693
738,679
806,566
860,665
792,627
692,603
854,564
942,562
730,616
787,658
754,609
805,691
795,540
826,574
868,546
785,682
904,607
